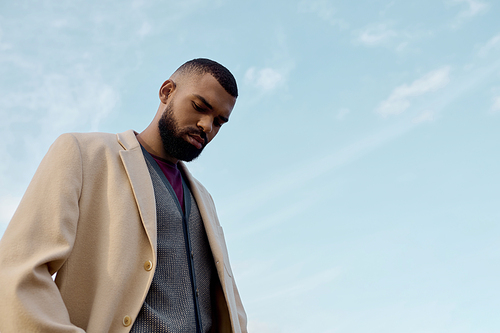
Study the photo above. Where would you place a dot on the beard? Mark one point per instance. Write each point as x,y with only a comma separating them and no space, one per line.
172,137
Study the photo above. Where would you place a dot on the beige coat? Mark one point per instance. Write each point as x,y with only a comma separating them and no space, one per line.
89,214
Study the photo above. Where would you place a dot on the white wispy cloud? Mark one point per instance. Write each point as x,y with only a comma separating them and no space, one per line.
288,180
324,10
37,111
266,79
342,113
473,8
256,197
399,99
70,100
279,65
278,217
145,29
301,286
60,23
495,107
3,45
51,86
137,4
402,47
425,116
385,33
490,46
390,35
375,35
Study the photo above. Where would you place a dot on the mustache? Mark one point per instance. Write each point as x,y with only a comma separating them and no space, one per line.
199,132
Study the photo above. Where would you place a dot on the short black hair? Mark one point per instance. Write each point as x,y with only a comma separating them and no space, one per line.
220,73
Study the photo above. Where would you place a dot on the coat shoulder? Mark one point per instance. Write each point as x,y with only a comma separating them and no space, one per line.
94,138
96,143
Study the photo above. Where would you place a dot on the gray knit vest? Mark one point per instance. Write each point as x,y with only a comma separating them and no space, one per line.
179,299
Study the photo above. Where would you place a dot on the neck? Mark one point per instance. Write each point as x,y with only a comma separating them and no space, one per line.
151,141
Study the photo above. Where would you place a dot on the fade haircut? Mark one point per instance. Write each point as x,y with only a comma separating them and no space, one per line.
220,73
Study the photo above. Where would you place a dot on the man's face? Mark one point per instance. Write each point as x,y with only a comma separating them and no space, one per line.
173,137
193,116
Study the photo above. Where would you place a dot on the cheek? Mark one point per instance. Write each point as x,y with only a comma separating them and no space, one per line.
188,121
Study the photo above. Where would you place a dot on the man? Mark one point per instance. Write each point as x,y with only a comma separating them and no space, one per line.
133,237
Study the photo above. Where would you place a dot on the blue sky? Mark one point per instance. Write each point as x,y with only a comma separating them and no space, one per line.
357,181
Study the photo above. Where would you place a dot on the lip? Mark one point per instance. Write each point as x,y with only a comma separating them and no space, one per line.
196,141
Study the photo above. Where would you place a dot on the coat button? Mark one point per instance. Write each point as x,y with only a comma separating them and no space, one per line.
127,321
148,265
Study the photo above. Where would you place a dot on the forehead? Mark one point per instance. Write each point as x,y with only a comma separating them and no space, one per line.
208,88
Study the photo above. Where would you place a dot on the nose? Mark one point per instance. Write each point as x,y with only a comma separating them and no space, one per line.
205,124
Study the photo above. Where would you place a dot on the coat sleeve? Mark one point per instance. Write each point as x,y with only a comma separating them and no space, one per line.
37,242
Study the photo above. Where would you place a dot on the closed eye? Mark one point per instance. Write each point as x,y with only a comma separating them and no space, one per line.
198,108
218,121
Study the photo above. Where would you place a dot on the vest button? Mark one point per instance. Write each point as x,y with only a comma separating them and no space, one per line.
127,321
148,265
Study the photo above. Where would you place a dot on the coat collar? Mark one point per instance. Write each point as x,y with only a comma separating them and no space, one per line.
208,215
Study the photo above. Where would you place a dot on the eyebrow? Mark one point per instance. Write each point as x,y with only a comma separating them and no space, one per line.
204,101
208,105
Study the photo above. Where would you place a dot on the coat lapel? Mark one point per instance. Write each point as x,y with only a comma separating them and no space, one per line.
226,300
209,217
140,180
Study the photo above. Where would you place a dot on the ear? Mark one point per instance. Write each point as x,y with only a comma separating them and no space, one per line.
166,89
